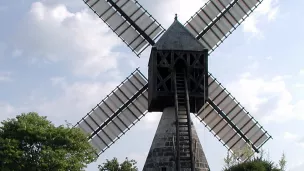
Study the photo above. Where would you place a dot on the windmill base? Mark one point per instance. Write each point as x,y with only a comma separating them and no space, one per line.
162,155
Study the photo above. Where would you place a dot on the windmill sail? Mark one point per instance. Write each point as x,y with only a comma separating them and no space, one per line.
129,20
229,121
117,113
216,20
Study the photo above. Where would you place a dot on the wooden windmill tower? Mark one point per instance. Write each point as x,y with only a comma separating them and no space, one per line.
179,83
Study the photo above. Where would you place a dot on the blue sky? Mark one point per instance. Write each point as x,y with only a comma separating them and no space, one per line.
60,60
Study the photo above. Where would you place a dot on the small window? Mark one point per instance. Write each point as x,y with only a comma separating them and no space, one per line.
164,169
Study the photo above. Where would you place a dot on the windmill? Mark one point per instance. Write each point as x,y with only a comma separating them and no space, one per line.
179,83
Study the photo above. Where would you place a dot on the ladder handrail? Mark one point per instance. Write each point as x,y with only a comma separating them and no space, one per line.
177,124
174,149
195,154
189,121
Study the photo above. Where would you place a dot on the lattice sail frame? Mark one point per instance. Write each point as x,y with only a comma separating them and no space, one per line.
217,19
129,20
117,113
229,121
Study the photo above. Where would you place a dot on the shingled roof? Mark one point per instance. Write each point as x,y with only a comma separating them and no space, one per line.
177,37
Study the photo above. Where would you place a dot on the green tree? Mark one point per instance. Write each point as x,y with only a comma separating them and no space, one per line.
256,164
113,165
282,162
31,142
253,163
236,157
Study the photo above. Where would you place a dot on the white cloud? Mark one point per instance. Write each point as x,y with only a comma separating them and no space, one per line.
301,72
294,138
152,118
246,74
269,57
69,3
268,99
299,85
301,142
5,76
269,9
299,166
250,25
10,111
72,102
184,9
290,136
164,11
17,53
75,101
138,157
7,111
80,38
254,65
58,81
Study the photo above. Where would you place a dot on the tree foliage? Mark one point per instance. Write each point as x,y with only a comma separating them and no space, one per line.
282,162
113,165
256,164
234,158
31,142
253,163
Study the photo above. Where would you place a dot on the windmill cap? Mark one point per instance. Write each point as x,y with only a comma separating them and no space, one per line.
177,37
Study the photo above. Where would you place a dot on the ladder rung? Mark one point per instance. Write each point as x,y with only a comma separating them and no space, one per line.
184,153
185,143
185,148
182,119
183,130
181,127
185,158
183,137
183,116
182,110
